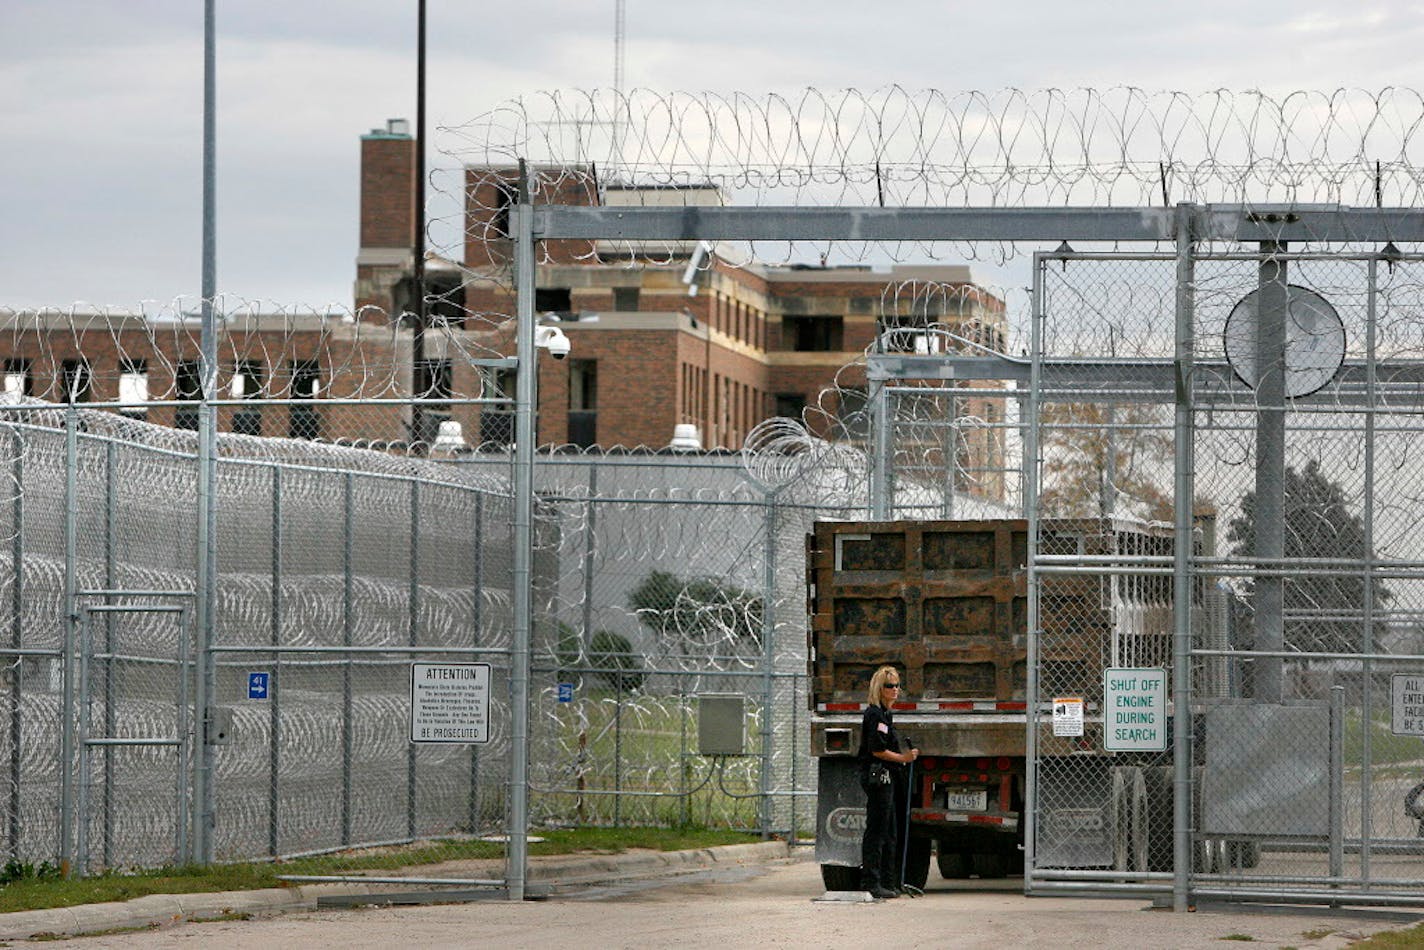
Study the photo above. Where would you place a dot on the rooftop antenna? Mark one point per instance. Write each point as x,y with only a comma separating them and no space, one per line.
620,37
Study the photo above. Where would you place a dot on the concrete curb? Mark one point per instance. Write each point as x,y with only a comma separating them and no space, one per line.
159,910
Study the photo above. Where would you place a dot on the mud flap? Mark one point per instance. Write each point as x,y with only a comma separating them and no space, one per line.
840,812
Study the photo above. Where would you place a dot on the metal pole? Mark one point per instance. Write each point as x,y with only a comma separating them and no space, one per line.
71,619
1367,644
413,602
618,751
880,490
770,709
1030,500
111,533
1271,314
523,540
1337,780
347,619
419,376
274,690
184,808
476,618
206,567
82,827
1183,490
590,540
17,634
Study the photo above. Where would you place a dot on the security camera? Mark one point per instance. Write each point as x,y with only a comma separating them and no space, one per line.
553,340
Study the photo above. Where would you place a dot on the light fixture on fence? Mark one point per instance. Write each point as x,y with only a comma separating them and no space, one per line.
449,438
685,438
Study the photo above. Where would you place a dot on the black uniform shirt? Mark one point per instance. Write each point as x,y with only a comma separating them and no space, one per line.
877,734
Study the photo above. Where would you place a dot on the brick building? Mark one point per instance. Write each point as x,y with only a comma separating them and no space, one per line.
736,345
649,352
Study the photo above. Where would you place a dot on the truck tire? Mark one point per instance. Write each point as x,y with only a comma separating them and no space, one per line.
953,865
838,877
917,863
1160,811
990,864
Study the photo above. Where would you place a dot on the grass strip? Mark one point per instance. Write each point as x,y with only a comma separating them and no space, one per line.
40,891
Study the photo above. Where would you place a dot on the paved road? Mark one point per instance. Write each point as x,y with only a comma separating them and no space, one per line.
772,906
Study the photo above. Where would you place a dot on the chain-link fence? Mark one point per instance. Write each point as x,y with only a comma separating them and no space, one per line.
1302,644
659,580
339,567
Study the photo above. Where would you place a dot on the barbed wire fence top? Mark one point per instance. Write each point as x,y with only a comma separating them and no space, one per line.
897,148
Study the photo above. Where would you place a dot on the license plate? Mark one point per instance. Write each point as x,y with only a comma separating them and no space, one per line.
966,799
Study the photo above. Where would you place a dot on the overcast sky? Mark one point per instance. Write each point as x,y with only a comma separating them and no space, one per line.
101,101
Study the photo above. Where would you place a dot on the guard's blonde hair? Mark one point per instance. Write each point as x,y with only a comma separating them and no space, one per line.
877,684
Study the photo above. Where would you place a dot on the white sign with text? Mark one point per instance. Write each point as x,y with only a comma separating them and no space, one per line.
449,702
1134,709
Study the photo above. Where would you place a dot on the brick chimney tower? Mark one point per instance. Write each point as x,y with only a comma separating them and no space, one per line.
387,214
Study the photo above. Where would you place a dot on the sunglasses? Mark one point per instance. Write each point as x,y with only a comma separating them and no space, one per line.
892,685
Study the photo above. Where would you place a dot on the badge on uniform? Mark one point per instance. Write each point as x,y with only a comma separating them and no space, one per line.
882,727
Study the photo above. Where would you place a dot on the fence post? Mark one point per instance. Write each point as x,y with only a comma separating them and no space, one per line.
590,540
525,434
1184,487
1272,304
1337,781
476,619
17,594
413,605
111,531
768,652
66,713
1030,500
274,688
348,551
881,464
1367,513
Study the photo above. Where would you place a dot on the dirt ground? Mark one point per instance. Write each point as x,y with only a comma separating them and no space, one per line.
773,906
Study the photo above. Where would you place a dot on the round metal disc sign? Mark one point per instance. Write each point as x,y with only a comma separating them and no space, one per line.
1315,340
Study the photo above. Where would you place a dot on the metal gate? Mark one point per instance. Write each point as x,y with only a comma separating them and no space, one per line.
1246,731
134,734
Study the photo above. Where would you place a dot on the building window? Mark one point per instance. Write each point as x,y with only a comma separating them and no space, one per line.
19,379
814,334
445,300
504,201
898,335
790,405
188,386
304,423
133,388
556,300
497,420
583,403
78,380
625,299
247,380
247,383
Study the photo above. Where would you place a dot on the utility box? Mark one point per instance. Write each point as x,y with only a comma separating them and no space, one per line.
721,724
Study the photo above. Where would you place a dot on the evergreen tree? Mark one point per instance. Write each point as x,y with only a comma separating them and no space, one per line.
1322,610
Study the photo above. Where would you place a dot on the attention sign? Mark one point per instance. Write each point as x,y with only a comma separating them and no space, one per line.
449,702
1135,710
